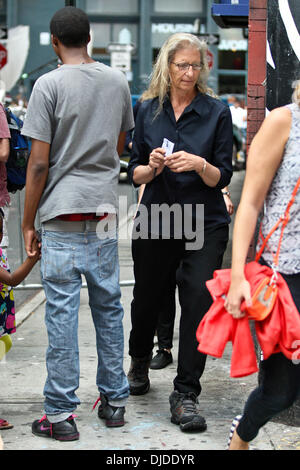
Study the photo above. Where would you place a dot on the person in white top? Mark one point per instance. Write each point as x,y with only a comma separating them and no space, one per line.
273,168
238,114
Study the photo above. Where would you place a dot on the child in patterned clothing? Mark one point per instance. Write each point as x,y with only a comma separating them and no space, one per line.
7,309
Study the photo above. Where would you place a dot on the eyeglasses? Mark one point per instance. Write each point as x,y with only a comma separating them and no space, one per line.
184,66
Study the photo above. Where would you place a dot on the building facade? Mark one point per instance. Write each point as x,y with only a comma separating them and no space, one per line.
142,25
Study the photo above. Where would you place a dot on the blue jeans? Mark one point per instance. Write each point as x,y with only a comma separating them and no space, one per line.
65,257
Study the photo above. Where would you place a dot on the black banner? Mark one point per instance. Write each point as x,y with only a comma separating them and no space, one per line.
282,51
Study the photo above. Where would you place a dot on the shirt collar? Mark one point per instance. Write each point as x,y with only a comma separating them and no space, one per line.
199,104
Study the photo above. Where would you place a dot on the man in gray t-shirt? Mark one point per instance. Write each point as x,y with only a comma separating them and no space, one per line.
77,118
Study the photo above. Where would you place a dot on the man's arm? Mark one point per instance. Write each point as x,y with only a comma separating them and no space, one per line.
37,173
4,150
121,143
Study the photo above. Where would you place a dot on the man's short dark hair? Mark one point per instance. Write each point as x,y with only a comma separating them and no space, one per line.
71,27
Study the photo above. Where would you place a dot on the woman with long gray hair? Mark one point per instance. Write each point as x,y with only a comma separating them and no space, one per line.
182,151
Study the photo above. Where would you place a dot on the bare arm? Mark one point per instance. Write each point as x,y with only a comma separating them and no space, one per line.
264,158
228,201
141,192
4,150
37,173
143,174
121,143
15,278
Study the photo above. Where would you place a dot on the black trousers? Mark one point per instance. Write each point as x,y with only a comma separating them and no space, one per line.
166,317
279,383
155,263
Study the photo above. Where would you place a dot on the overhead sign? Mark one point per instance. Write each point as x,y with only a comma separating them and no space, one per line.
171,28
211,39
116,47
121,61
233,45
3,56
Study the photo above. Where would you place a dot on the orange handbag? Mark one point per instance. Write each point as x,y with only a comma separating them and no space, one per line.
265,294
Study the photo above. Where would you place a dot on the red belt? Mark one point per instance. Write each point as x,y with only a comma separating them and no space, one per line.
79,217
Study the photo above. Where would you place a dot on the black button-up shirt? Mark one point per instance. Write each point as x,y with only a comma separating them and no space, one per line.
204,129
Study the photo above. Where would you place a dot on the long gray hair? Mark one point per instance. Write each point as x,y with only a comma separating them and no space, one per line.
160,77
296,94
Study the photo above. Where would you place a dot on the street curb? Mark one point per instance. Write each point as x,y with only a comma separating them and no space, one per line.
29,307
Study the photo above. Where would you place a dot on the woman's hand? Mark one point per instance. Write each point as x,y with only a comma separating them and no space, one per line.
229,204
183,161
157,160
238,292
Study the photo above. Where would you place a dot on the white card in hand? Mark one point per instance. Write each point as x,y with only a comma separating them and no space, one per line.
168,146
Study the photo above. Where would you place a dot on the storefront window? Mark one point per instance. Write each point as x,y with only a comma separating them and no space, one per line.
101,37
115,7
105,33
232,84
178,6
125,33
234,60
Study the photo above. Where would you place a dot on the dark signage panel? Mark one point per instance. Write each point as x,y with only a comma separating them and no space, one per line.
283,56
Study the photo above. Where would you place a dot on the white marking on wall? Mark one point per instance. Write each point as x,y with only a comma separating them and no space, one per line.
269,56
290,26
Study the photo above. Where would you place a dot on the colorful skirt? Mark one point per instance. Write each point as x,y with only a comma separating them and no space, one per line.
7,304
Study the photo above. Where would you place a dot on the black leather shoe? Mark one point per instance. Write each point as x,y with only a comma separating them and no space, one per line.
63,431
185,413
138,375
113,415
162,359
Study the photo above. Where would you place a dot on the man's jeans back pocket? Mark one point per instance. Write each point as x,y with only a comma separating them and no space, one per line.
108,256
57,261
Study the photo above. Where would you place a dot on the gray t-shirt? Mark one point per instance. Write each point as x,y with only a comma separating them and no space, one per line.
80,110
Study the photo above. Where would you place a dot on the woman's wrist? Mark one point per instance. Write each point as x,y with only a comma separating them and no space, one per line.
152,172
237,273
143,174
201,166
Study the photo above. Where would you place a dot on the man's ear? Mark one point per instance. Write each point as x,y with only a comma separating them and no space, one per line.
54,40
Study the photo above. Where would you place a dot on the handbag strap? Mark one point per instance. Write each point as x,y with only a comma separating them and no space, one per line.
282,220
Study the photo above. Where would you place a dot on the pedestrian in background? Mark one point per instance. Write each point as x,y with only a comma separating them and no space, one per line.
167,310
4,196
4,154
77,117
273,169
182,151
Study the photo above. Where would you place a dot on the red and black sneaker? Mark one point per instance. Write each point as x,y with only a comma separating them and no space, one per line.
63,431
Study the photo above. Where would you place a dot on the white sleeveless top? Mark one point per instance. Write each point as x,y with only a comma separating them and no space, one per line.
276,202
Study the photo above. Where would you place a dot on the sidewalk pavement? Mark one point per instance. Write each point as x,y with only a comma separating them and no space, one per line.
148,425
